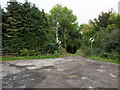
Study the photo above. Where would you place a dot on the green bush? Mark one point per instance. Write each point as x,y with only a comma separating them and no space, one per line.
24,52
34,52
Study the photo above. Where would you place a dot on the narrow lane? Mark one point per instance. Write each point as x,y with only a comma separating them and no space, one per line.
68,72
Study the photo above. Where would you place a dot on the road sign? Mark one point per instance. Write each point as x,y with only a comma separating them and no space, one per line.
58,41
91,40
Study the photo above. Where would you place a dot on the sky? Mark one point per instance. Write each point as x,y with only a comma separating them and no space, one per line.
83,9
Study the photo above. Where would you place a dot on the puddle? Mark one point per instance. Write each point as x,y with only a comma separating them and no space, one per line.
71,77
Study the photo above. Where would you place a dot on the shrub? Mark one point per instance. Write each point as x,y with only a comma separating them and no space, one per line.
24,52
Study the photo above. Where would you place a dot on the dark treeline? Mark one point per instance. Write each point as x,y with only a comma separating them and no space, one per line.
28,31
25,29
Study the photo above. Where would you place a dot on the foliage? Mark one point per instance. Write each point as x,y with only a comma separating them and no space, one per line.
30,32
26,30
105,32
68,31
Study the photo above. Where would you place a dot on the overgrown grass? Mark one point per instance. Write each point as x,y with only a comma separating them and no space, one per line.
10,58
103,59
98,58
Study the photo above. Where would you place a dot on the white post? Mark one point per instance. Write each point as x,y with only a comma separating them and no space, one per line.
91,45
57,33
57,40
91,40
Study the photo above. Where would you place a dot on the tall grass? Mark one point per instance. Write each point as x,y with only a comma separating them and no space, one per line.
10,58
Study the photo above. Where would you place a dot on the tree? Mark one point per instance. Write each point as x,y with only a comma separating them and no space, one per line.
101,21
25,28
35,31
67,23
11,25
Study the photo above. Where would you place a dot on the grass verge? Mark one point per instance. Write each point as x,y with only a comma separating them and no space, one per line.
98,58
103,59
8,58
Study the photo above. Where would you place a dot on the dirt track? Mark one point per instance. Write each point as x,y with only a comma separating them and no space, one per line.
68,72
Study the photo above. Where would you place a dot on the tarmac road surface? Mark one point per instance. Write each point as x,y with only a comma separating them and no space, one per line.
67,72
